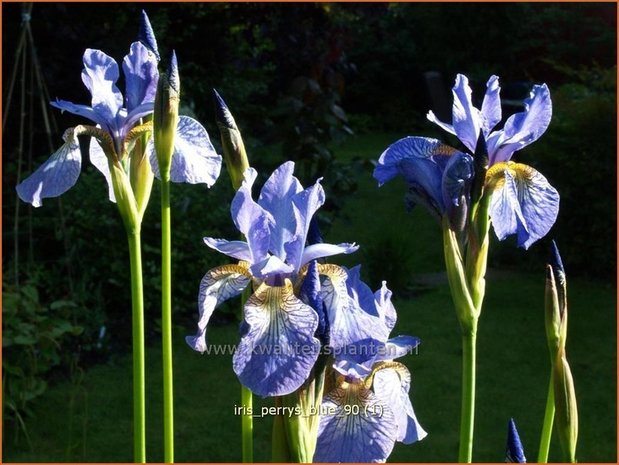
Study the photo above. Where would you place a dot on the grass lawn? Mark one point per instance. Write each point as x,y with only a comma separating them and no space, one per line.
91,420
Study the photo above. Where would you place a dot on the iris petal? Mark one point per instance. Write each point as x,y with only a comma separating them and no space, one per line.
355,427
251,219
522,128
140,69
421,161
194,159
523,202
276,197
99,160
391,384
397,347
466,118
218,285
491,106
272,265
82,110
348,322
359,291
235,249
316,251
54,177
456,179
385,308
304,205
99,76
434,119
278,350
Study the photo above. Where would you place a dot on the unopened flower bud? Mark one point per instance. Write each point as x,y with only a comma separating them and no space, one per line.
231,141
165,117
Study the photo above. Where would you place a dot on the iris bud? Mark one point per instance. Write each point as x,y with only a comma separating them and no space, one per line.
231,141
165,116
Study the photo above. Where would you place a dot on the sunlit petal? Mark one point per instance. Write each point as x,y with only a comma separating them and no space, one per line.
278,349
466,119
491,106
348,322
194,159
523,202
217,285
391,385
235,249
141,75
522,128
99,76
99,160
355,427
54,177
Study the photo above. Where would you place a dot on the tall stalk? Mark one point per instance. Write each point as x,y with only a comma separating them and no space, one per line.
166,321
139,385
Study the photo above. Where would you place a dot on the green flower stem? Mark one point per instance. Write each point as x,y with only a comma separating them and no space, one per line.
467,418
247,425
280,452
137,299
166,321
549,417
468,312
247,420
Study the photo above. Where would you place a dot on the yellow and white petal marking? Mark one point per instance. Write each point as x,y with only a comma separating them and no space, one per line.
391,382
522,203
217,285
355,426
278,348
348,322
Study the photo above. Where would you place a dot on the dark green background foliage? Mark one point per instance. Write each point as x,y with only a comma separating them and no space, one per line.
300,79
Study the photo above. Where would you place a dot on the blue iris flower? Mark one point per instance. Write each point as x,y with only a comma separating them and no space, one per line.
118,122
278,345
522,203
369,408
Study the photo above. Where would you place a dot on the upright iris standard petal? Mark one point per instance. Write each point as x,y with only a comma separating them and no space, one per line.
368,435
491,112
99,76
522,128
194,159
140,70
391,384
217,286
466,119
54,177
253,221
522,203
304,205
278,349
276,198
